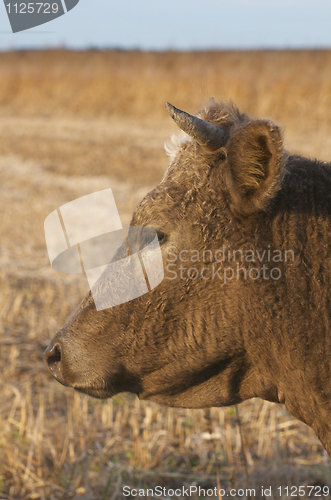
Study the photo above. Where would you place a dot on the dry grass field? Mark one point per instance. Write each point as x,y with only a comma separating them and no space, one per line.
72,123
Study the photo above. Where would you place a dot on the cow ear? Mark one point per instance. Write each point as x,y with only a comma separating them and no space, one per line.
253,168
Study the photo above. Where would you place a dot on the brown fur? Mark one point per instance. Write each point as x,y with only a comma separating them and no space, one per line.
198,343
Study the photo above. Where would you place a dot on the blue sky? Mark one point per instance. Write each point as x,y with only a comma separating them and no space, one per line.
180,24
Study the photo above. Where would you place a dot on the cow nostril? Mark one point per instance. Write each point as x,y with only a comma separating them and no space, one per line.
54,356
52,359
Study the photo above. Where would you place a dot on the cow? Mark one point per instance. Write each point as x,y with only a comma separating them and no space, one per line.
244,308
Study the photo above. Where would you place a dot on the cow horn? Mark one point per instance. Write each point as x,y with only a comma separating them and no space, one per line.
206,134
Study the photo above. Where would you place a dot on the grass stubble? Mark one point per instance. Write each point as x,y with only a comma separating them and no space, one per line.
73,123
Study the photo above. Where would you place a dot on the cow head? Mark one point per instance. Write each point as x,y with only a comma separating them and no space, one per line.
199,338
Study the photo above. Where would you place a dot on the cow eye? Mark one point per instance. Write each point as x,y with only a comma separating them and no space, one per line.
162,237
